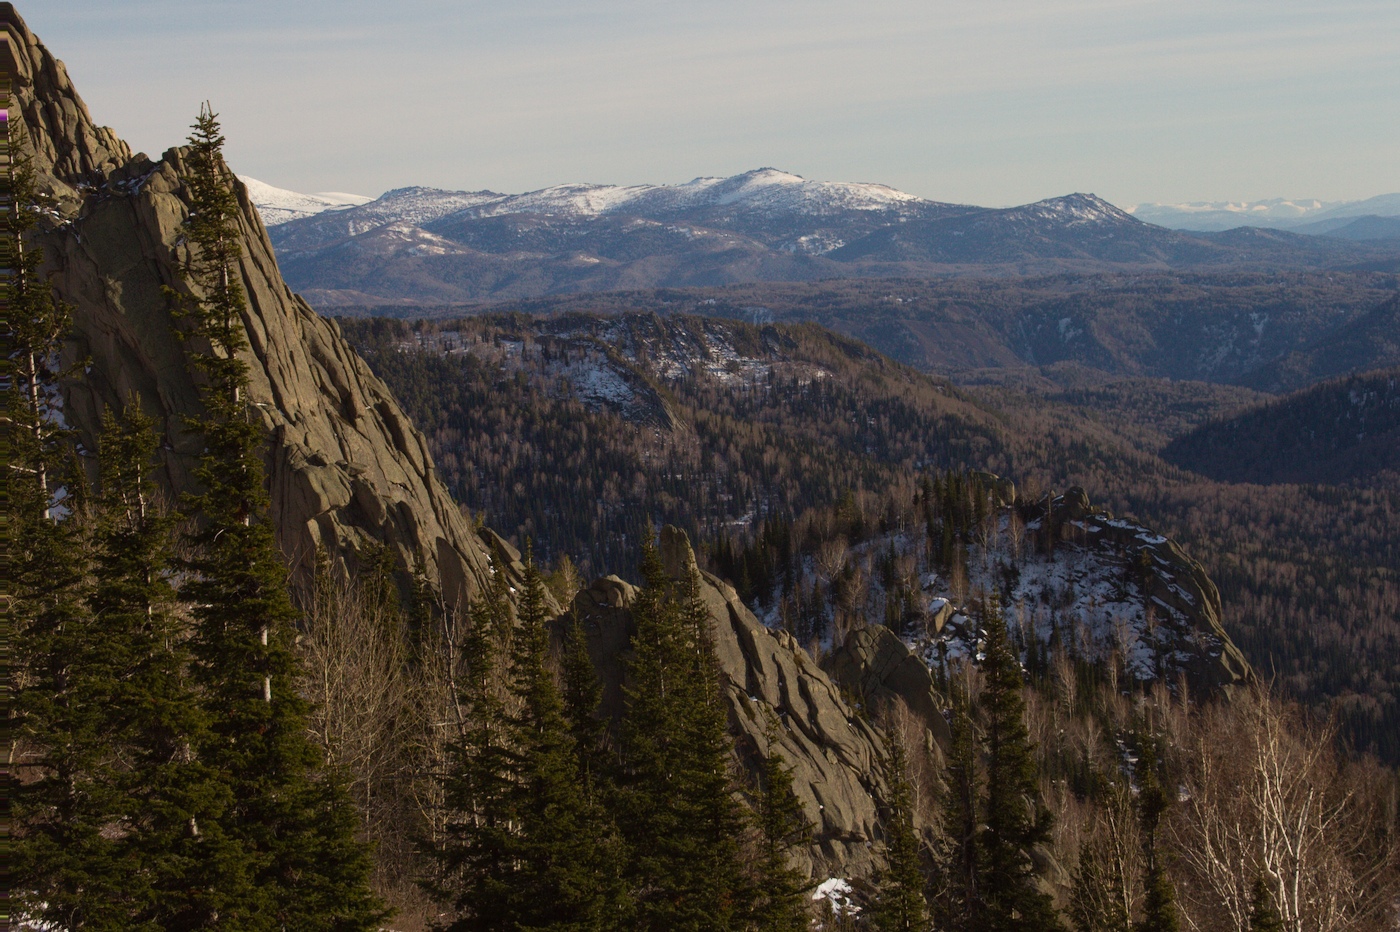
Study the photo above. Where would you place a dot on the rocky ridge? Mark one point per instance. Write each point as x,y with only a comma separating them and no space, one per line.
346,467
772,687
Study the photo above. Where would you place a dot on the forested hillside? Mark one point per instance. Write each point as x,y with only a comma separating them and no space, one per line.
719,427
1343,432
1275,330
266,674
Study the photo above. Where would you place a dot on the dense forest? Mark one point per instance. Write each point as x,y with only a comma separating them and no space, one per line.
1273,330
718,426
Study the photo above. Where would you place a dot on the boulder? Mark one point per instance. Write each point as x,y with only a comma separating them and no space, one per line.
879,670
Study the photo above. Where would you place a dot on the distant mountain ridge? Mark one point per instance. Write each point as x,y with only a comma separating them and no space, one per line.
1303,215
421,245
278,205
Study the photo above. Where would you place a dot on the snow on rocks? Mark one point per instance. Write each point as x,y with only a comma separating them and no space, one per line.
838,894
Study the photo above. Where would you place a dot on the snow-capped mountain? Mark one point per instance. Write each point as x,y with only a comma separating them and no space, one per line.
426,245
278,205
1278,213
757,198
762,190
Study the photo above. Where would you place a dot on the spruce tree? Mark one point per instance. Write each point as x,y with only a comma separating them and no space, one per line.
59,724
1015,818
568,856
1093,907
1159,912
582,695
174,802
675,807
900,905
302,867
476,856
958,864
1263,914
783,826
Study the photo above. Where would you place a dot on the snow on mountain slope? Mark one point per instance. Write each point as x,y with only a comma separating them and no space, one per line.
1071,210
278,205
762,189
415,206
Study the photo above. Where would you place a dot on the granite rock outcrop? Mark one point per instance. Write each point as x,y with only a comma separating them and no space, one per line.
345,465
773,689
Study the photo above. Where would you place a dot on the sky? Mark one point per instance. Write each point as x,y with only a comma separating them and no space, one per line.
991,102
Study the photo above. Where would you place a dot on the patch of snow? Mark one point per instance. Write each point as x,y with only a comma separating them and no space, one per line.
838,893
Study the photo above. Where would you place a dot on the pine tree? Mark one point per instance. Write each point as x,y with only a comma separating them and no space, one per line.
1092,905
582,695
174,803
65,871
958,905
1263,914
1016,819
303,867
899,904
1159,912
782,827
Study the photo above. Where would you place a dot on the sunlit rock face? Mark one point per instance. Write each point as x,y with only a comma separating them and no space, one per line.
345,466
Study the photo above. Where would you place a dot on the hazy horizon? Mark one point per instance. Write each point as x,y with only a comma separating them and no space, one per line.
1138,102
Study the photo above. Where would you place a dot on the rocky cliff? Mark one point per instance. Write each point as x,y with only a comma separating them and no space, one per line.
767,679
346,466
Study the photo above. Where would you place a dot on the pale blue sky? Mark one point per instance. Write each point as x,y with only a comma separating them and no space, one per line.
981,101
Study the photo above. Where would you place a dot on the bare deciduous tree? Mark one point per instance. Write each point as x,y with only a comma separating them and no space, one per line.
1269,799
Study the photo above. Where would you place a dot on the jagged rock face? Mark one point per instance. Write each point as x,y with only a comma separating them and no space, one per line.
60,128
1185,601
345,465
879,669
766,678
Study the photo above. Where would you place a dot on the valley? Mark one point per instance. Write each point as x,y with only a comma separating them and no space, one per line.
720,427
749,555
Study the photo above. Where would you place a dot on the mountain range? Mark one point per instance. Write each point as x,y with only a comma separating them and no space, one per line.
1373,218
895,557
420,246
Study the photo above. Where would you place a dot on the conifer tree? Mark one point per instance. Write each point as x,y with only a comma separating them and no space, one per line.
173,802
568,856
1092,905
899,904
582,695
676,809
1159,913
64,869
1263,914
958,862
782,826
37,323
476,855
302,867
1015,818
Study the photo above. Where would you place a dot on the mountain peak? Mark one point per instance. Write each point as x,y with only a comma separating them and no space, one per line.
278,205
1078,208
